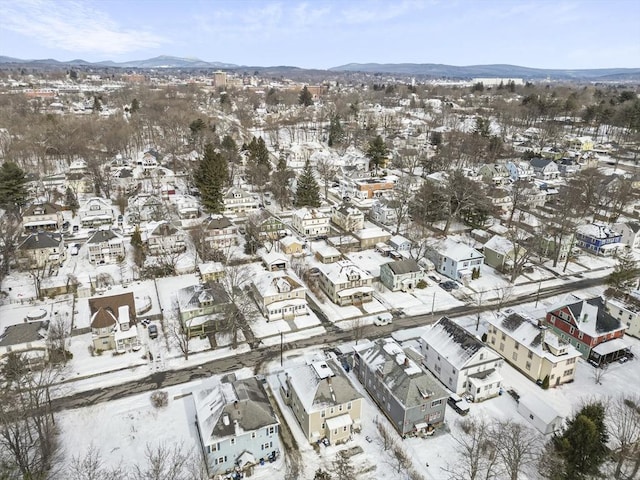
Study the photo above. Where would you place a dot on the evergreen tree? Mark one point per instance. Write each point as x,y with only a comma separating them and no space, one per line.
582,445
97,106
336,132
71,201
258,164
307,191
13,191
210,177
280,182
305,97
626,272
135,106
377,152
138,247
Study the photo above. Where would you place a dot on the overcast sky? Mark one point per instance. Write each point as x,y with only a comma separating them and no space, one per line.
326,33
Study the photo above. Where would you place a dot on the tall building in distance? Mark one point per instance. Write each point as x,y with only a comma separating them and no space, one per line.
220,79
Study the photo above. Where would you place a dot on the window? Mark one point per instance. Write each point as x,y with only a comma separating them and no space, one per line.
323,413
514,356
528,366
349,406
253,434
516,346
435,403
220,460
504,337
502,347
233,441
272,430
530,354
568,372
571,330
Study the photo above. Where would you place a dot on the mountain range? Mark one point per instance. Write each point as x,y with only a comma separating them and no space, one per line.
418,69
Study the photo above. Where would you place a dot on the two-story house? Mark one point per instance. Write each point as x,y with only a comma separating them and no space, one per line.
200,307
280,295
219,232
323,401
42,216
164,238
630,233
495,174
96,211
347,217
598,239
369,188
461,361
626,308
589,327
545,168
533,349
520,171
40,250
310,222
345,283
105,246
28,339
455,260
403,275
500,253
236,424
412,399
113,323
238,202
384,211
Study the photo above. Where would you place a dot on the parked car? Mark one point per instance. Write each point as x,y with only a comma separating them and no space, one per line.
435,278
153,331
75,228
383,319
460,405
449,285
74,249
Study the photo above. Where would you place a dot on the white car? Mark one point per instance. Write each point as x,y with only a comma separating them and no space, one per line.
383,319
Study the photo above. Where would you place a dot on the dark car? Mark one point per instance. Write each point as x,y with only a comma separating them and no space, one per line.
153,331
449,286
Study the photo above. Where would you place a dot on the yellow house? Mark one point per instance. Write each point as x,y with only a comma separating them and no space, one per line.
290,245
533,349
323,401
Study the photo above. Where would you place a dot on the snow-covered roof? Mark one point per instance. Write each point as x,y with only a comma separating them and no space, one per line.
268,284
340,272
499,244
458,251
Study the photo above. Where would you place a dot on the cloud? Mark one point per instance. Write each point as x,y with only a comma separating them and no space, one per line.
74,26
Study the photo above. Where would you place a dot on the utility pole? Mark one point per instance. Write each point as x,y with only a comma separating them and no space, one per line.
281,347
538,294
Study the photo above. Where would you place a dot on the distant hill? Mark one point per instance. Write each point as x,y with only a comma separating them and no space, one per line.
473,71
163,61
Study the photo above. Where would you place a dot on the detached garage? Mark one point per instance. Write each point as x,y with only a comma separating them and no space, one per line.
540,414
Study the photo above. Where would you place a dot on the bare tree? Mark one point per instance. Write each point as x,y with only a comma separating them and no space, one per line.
342,467
178,335
242,309
386,436
9,235
476,449
399,200
90,466
326,170
357,327
599,372
517,447
59,332
400,459
168,462
624,431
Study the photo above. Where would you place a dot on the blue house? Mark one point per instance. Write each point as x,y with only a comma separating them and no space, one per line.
598,239
237,426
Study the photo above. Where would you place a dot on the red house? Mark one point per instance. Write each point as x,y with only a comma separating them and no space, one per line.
589,327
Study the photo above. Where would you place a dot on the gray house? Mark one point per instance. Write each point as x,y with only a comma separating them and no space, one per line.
236,425
401,275
411,398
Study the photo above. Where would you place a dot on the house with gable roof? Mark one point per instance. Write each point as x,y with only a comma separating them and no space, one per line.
280,295
345,283
236,424
598,239
164,238
238,202
461,361
630,233
590,327
402,275
113,323
42,216
324,402
455,260
220,233
347,217
96,211
199,307
40,250
500,253
533,349
105,246
545,168
310,222
412,399
28,339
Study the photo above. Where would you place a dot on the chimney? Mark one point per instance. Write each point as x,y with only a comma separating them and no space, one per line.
225,419
406,362
236,405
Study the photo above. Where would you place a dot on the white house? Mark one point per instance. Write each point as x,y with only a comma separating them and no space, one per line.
347,217
455,260
400,243
164,238
630,233
105,246
461,361
345,283
238,202
544,168
382,211
310,222
280,295
96,211
520,170
626,310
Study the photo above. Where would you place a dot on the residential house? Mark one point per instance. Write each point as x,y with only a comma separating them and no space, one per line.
237,426
402,275
598,239
105,246
238,202
219,232
327,254
533,349
199,307
584,143
149,160
96,211
495,174
310,222
461,361
124,181
113,323
323,401
211,271
41,250
500,200
369,188
400,243
291,245
42,216
550,247
568,166
545,168
383,211
540,414
455,260
146,208
412,399
626,309
369,237
345,283
274,261
519,170
28,339
347,217
280,295
500,253
164,238
630,233
589,327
